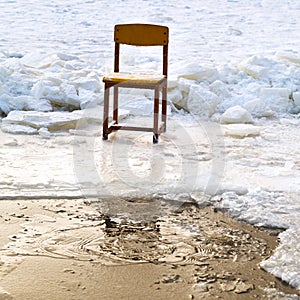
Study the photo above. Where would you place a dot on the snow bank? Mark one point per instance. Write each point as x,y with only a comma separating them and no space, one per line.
255,88
48,82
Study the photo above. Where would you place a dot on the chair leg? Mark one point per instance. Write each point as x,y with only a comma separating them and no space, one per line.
156,112
155,138
164,107
116,104
105,113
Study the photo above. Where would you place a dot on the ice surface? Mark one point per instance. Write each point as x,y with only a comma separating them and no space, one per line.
241,53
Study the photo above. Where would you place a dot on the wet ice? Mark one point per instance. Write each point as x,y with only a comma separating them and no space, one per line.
52,60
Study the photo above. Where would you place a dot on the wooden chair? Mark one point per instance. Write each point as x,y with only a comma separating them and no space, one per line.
137,35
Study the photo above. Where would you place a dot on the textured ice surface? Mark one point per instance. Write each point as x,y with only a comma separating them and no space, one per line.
246,53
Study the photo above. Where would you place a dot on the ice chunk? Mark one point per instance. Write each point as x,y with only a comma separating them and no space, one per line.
172,82
51,120
88,84
179,96
276,98
254,71
56,91
89,98
52,80
296,98
17,129
140,106
184,85
201,102
30,103
37,90
219,88
13,65
44,133
176,97
236,114
5,101
258,108
38,59
194,71
291,56
241,130
3,73
253,67
62,95
66,57
230,187
289,121
285,262
48,90
71,95
9,103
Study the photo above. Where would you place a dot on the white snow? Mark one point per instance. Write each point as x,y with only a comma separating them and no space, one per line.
229,61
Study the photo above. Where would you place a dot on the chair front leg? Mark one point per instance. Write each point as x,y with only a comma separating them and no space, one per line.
156,113
105,112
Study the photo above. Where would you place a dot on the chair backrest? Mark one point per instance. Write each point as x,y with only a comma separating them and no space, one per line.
141,35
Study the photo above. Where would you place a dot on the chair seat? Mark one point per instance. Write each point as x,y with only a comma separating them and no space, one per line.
137,79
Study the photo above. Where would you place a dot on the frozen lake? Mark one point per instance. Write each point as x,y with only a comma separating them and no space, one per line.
215,31
246,53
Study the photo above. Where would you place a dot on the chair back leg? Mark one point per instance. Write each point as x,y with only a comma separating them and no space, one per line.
115,106
164,108
156,111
